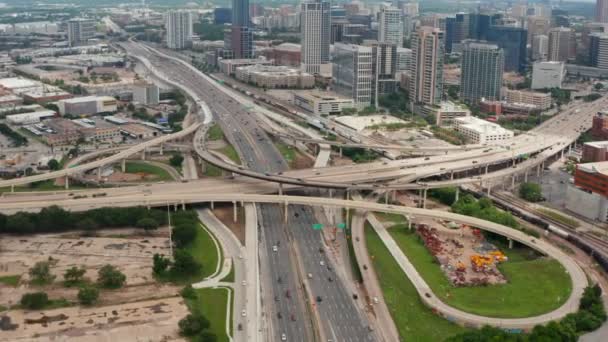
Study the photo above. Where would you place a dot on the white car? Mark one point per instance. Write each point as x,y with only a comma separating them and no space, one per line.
243,313
375,299
322,263
275,248
244,283
283,337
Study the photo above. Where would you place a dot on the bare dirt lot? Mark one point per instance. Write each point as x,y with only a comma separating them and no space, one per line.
142,309
226,215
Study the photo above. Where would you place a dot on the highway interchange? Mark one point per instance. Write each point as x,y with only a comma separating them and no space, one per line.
294,245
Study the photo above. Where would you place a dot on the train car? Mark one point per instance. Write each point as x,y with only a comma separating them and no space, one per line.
558,231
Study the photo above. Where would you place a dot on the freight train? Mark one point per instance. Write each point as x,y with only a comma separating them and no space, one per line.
584,244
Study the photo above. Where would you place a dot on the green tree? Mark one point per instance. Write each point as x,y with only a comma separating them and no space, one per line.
160,264
40,273
183,234
74,275
88,295
53,165
184,263
206,336
110,277
176,160
147,223
131,107
531,192
192,325
598,86
35,300
188,292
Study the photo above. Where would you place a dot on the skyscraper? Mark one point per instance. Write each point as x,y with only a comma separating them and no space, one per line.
315,36
513,41
540,47
390,26
456,30
426,83
598,50
561,44
240,41
353,72
179,29
482,67
80,30
601,11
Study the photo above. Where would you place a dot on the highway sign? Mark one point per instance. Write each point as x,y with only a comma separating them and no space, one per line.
317,226
341,225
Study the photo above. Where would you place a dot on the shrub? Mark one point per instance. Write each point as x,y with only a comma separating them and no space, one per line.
184,263
74,275
34,301
41,273
192,325
88,295
160,264
183,234
530,192
110,277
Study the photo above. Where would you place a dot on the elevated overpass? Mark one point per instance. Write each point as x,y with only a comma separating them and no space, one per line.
579,280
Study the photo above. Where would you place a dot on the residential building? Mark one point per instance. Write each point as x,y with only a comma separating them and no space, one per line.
548,75
537,26
384,69
271,76
561,44
390,26
228,66
426,73
321,103
404,59
179,29
87,105
315,37
80,30
589,195
478,131
540,47
353,72
513,40
481,71
490,107
541,101
596,151
598,50
288,54
146,93
601,11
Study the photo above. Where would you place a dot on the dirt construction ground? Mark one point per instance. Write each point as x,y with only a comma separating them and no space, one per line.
143,309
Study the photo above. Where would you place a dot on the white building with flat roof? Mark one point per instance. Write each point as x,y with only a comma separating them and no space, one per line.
548,75
478,131
321,104
87,105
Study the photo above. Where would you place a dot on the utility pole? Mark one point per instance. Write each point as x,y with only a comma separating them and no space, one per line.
170,230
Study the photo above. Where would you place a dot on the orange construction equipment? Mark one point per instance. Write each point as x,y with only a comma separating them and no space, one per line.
498,256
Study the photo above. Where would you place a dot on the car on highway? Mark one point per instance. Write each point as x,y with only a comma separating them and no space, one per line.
309,275
319,299
283,337
322,263
275,248
243,313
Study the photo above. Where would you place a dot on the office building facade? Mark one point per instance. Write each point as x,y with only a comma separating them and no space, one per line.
80,30
601,11
353,72
482,67
390,26
513,41
598,50
561,44
315,37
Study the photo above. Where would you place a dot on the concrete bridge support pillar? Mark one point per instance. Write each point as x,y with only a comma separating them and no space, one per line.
386,197
99,173
143,154
183,205
424,199
161,149
538,171
280,189
510,244
12,188
513,181
212,205
234,213
526,176
562,155
286,212
175,207
331,193
487,166
569,148
340,152
457,194
123,165
67,182
489,188
409,223
451,175
394,195
514,162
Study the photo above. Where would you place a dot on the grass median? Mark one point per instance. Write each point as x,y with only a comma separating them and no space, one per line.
414,320
157,172
213,304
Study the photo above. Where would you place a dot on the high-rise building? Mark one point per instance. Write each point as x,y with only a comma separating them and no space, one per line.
456,30
179,29
601,11
536,26
548,75
482,67
384,69
315,37
222,16
353,72
598,50
146,93
540,47
561,44
513,41
404,59
426,74
80,30
239,42
390,26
